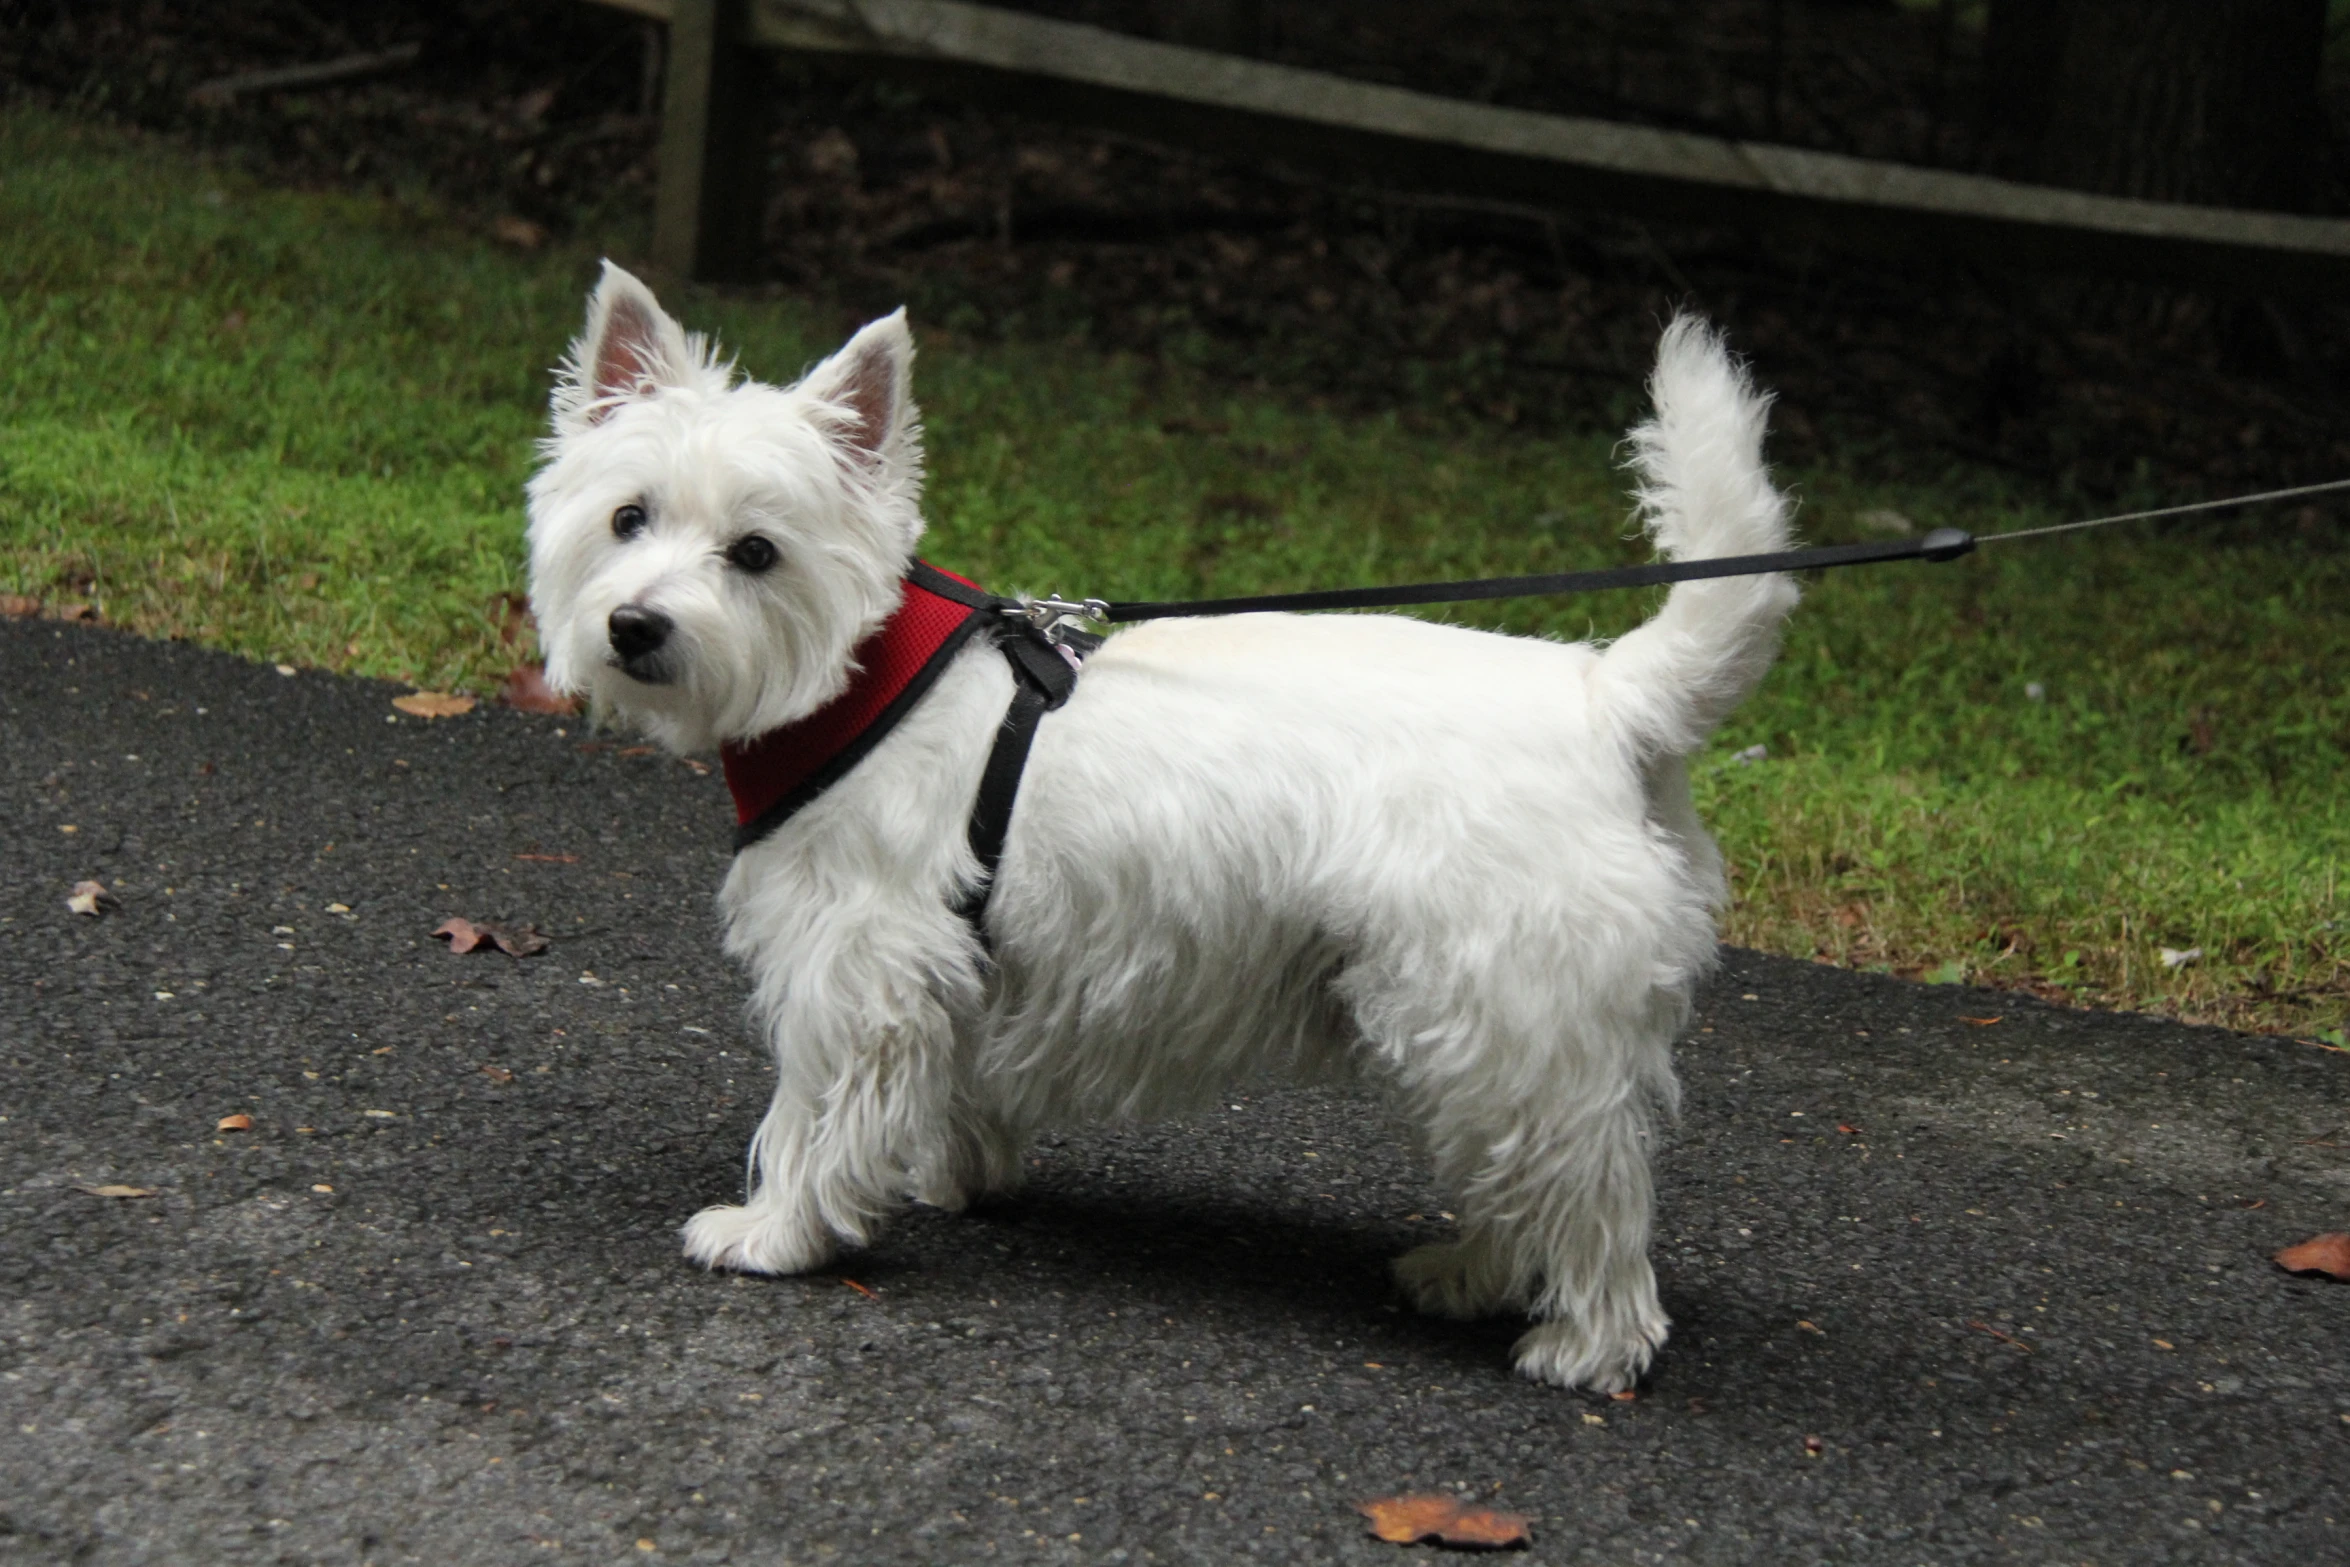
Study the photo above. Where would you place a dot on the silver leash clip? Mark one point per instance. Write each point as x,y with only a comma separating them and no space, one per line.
1047,614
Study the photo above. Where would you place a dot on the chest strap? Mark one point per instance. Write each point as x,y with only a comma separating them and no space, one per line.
1044,673
776,776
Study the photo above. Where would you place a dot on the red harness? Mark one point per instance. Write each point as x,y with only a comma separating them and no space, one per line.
780,772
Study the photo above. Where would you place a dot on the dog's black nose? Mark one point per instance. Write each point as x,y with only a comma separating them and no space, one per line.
637,631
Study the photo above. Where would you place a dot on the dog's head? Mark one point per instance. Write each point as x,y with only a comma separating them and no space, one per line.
706,554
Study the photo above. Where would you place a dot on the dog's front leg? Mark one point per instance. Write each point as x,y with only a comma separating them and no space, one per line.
980,1159
779,1229
831,1159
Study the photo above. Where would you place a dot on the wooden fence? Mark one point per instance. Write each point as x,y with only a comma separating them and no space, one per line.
712,153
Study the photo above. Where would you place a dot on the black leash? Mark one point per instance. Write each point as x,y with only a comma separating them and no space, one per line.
1941,544
1046,649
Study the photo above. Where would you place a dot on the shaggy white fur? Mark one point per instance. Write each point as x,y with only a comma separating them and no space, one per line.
1464,866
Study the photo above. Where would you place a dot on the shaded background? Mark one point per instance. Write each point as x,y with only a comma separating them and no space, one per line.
539,117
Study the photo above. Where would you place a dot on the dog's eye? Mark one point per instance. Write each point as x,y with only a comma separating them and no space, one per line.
628,521
751,553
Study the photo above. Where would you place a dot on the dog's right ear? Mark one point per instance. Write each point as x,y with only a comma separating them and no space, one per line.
630,349
866,388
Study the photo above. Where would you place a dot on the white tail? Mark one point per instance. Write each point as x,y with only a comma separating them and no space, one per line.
1704,492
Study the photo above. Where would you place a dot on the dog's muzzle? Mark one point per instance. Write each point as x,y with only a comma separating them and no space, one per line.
638,635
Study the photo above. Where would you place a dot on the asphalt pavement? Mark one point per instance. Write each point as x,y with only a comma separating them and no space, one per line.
1954,1277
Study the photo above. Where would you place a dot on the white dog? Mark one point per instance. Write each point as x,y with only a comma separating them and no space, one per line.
1460,865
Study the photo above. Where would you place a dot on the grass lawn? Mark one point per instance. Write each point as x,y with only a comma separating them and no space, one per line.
297,426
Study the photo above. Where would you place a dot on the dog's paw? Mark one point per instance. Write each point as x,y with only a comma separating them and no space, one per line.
1456,1279
1567,1354
755,1240
939,1189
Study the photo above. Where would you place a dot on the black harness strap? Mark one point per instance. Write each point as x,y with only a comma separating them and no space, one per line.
1043,676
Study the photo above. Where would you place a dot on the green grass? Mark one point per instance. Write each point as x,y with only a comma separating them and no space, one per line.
298,426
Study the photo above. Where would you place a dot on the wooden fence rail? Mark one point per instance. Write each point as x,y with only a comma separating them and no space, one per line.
712,156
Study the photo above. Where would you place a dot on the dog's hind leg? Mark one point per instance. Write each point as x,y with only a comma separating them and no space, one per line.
1474,1276
1546,1148
1581,1212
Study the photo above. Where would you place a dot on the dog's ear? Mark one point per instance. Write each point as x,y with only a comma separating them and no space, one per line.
630,349
869,386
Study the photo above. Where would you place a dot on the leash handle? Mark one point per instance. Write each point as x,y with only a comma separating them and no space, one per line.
1939,545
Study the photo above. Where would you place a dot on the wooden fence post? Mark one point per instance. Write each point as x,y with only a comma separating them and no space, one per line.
706,215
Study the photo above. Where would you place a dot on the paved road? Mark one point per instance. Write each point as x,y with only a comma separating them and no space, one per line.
2012,1278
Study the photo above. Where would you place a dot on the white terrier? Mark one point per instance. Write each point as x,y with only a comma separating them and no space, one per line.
1460,865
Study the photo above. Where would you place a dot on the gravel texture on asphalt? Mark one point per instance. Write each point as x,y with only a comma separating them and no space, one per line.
1945,1289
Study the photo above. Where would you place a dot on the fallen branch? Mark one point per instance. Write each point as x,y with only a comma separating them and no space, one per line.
2004,1338
222,90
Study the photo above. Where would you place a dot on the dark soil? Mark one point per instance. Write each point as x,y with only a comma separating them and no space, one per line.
539,117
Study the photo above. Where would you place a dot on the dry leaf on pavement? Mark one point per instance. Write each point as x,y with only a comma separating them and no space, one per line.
235,1123
1446,1519
526,690
434,704
2328,1254
117,1191
498,1074
92,898
516,941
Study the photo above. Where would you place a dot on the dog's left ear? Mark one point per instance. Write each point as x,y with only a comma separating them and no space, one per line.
869,387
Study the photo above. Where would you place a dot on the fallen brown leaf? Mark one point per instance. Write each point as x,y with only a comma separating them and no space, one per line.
1982,1022
2328,1254
235,1123
92,898
497,1074
635,750
1847,1129
434,704
117,1191
859,1288
1446,1519
551,859
526,690
516,941
74,612
16,606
